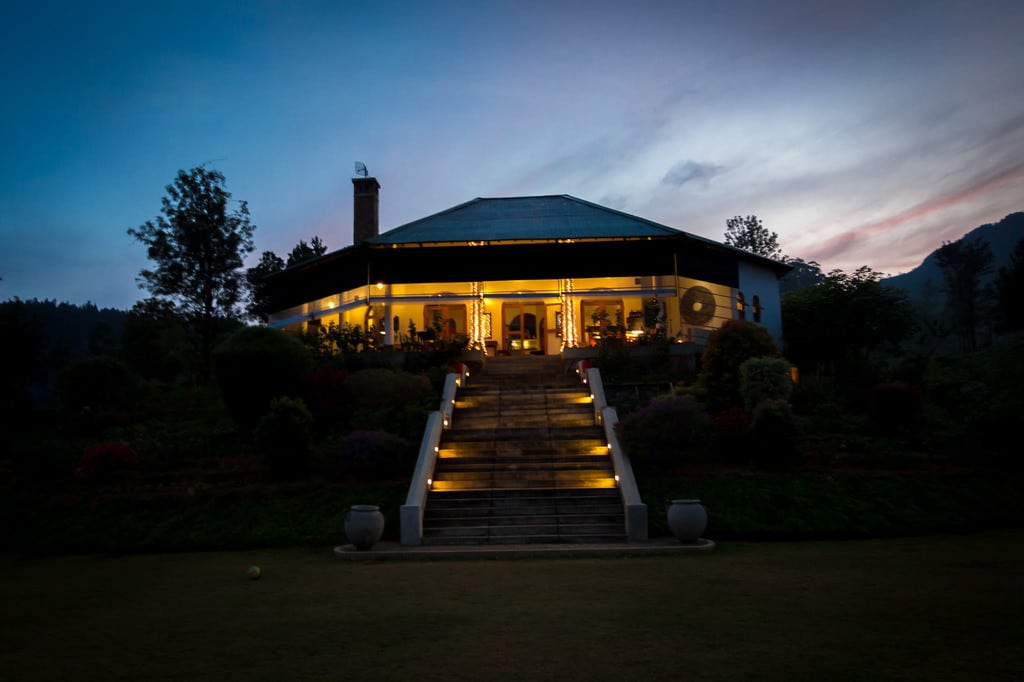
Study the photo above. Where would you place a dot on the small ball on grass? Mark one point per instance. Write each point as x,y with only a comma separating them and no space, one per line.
253,572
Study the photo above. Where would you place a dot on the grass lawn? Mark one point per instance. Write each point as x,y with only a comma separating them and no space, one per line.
929,608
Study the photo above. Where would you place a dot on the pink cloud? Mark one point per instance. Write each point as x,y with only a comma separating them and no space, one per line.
837,246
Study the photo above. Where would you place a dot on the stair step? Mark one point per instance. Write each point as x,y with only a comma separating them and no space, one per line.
456,435
542,450
498,467
435,522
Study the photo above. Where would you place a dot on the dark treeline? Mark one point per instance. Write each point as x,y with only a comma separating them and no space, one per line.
68,330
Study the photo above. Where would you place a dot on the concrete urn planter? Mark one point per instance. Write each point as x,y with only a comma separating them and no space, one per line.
687,519
364,524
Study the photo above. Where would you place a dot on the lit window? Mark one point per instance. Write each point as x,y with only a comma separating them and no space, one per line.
741,306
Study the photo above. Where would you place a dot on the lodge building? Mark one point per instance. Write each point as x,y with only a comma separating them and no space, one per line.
520,275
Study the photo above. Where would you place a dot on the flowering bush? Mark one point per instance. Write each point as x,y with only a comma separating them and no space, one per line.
107,460
379,387
374,454
661,434
731,433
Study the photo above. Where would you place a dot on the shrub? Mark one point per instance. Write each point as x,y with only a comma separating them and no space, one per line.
895,406
731,439
775,436
765,378
727,348
664,433
406,421
814,392
95,388
255,365
328,399
376,454
379,387
283,436
106,461
612,358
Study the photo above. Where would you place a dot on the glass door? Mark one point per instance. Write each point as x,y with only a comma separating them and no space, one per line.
523,325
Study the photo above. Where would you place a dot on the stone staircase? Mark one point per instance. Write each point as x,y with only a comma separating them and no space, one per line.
524,462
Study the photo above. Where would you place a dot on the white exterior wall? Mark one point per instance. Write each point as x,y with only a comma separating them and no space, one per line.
759,281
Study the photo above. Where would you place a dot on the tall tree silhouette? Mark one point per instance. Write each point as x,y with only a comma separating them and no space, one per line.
256,276
964,263
750,234
198,247
1010,290
304,251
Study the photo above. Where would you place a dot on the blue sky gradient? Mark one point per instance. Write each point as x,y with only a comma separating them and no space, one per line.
864,135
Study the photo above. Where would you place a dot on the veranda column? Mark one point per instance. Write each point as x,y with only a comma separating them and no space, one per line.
389,331
476,317
569,330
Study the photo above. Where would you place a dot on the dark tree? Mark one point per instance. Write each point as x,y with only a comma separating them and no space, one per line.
964,263
804,274
832,327
21,363
198,248
303,251
256,276
751,235
1010,290
155,343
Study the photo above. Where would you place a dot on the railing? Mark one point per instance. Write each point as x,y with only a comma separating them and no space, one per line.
635,509
411,514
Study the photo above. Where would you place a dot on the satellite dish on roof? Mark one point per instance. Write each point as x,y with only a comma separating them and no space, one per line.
361,169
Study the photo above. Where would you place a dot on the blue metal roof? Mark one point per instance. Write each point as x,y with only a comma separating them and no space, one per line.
523,218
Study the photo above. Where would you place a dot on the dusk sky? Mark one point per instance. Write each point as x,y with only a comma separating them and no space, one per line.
864,133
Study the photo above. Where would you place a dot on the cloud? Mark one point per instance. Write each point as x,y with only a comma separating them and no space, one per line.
691,171
840,244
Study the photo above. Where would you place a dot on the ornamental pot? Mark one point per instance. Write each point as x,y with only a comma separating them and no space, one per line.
687,519
364,524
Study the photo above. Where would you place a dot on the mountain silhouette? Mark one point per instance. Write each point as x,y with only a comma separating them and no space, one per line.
924,283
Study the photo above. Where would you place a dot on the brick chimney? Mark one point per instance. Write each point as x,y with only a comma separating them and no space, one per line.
365,200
